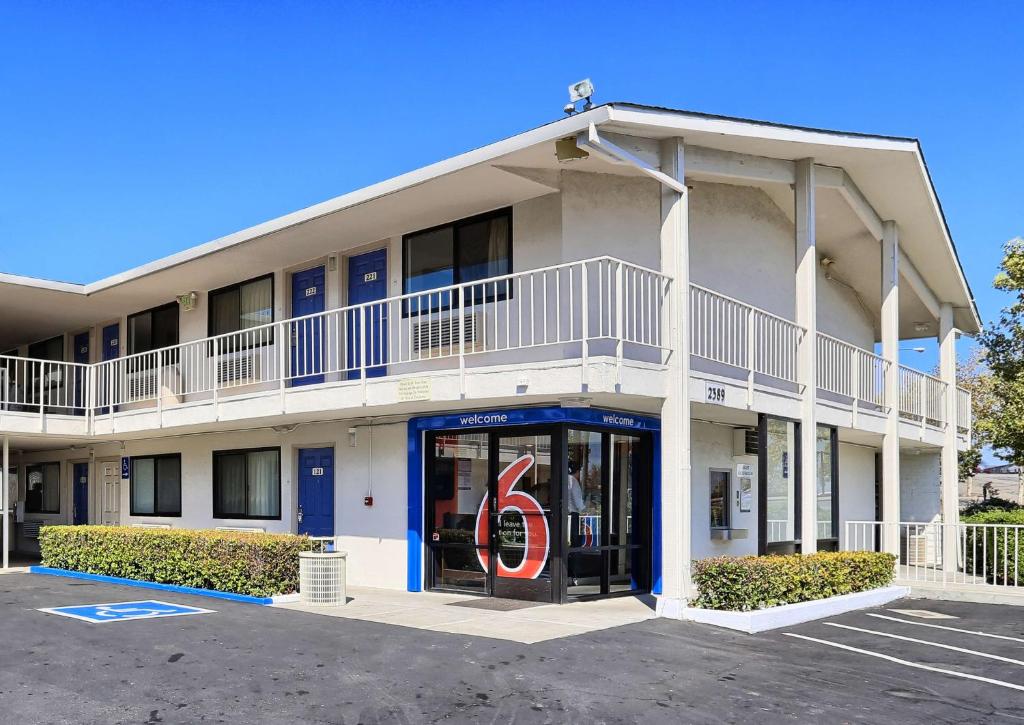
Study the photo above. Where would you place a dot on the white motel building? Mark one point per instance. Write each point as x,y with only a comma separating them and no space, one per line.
560,366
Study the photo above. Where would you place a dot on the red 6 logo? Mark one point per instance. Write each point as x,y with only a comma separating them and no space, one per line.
538,537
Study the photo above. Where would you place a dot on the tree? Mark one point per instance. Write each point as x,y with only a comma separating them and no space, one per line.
1004,344
973,375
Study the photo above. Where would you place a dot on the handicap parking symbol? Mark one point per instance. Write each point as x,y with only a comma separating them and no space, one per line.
123,611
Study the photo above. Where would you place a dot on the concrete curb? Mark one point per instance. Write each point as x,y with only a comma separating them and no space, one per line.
762,620
213,594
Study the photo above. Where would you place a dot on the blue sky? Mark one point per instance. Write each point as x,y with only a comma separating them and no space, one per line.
133,130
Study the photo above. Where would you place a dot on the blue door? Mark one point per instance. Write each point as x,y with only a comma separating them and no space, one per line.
81,355
367,282
80,472
316,491
308,335
107,383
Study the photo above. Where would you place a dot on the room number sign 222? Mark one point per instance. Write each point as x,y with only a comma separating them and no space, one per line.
714,394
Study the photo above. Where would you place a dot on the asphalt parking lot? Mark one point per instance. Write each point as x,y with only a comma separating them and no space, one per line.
248,664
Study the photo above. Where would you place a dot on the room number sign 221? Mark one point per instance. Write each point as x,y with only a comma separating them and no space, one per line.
714,394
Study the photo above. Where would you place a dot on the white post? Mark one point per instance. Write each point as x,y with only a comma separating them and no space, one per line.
891,353
807,373
4,503
676,585
949,468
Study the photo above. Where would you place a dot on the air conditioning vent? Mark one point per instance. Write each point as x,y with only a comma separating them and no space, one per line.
30,529
750,442
238,369
443,332
141,385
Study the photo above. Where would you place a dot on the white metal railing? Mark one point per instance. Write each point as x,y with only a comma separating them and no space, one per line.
600,305
922,397
43,385
727,331
850,371
963,410
987,555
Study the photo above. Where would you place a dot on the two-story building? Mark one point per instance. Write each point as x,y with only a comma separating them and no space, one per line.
556,367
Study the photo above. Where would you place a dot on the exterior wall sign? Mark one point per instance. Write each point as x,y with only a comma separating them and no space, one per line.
714,393
126,467
744,470
411,389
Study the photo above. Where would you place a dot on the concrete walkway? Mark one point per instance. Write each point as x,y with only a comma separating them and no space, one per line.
445,613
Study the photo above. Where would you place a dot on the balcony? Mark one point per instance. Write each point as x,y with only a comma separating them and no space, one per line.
578,314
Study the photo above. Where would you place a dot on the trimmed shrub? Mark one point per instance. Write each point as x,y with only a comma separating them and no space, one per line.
757,582
990,504
256,564
997,552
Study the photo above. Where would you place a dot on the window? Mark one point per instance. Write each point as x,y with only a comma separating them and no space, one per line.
827,483
719,488
241,306
52,349
247,484
156,485
42,492
153,329
463,251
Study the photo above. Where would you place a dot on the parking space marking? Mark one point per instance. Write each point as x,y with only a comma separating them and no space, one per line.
930,644
948,629
923,614
907,663
124,611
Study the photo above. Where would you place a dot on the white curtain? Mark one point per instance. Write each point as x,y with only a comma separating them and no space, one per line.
256,303
143,486
231,485
497,247
264,486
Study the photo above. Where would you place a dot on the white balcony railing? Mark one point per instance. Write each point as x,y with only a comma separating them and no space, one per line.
28,385
851,372
600,306
594,306
988,555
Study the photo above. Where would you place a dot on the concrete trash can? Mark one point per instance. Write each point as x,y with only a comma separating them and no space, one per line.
322,578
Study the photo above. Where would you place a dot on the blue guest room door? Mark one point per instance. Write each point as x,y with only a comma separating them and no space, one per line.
308,335
80,472
316,491
368,282
111,350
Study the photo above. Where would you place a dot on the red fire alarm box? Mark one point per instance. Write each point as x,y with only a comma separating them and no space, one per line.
367,500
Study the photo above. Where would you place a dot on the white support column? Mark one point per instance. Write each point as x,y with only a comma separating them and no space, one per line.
4,503
950,469
676,586
807,373
891,354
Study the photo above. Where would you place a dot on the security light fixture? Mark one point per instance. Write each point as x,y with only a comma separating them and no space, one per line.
921,327
579,91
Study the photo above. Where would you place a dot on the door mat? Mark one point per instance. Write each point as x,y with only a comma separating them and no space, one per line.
494,604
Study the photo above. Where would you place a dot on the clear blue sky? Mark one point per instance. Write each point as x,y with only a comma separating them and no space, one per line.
132,130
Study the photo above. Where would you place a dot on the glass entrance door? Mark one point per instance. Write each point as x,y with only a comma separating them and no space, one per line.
520,521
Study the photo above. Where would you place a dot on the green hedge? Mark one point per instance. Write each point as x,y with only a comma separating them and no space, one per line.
256,564
756,582
987,548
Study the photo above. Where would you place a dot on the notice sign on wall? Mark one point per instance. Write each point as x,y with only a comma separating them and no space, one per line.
411,389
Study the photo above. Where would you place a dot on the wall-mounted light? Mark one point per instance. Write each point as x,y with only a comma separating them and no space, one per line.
353,438
187,301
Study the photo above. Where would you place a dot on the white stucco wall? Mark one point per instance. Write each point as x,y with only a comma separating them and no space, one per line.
742,245
375,536
712,447
920,487
856,486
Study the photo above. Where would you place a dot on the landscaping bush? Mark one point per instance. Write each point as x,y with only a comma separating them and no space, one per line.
997,552
990,504
256,564
757,582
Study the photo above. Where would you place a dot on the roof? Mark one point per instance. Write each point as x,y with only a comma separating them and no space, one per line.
868,157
